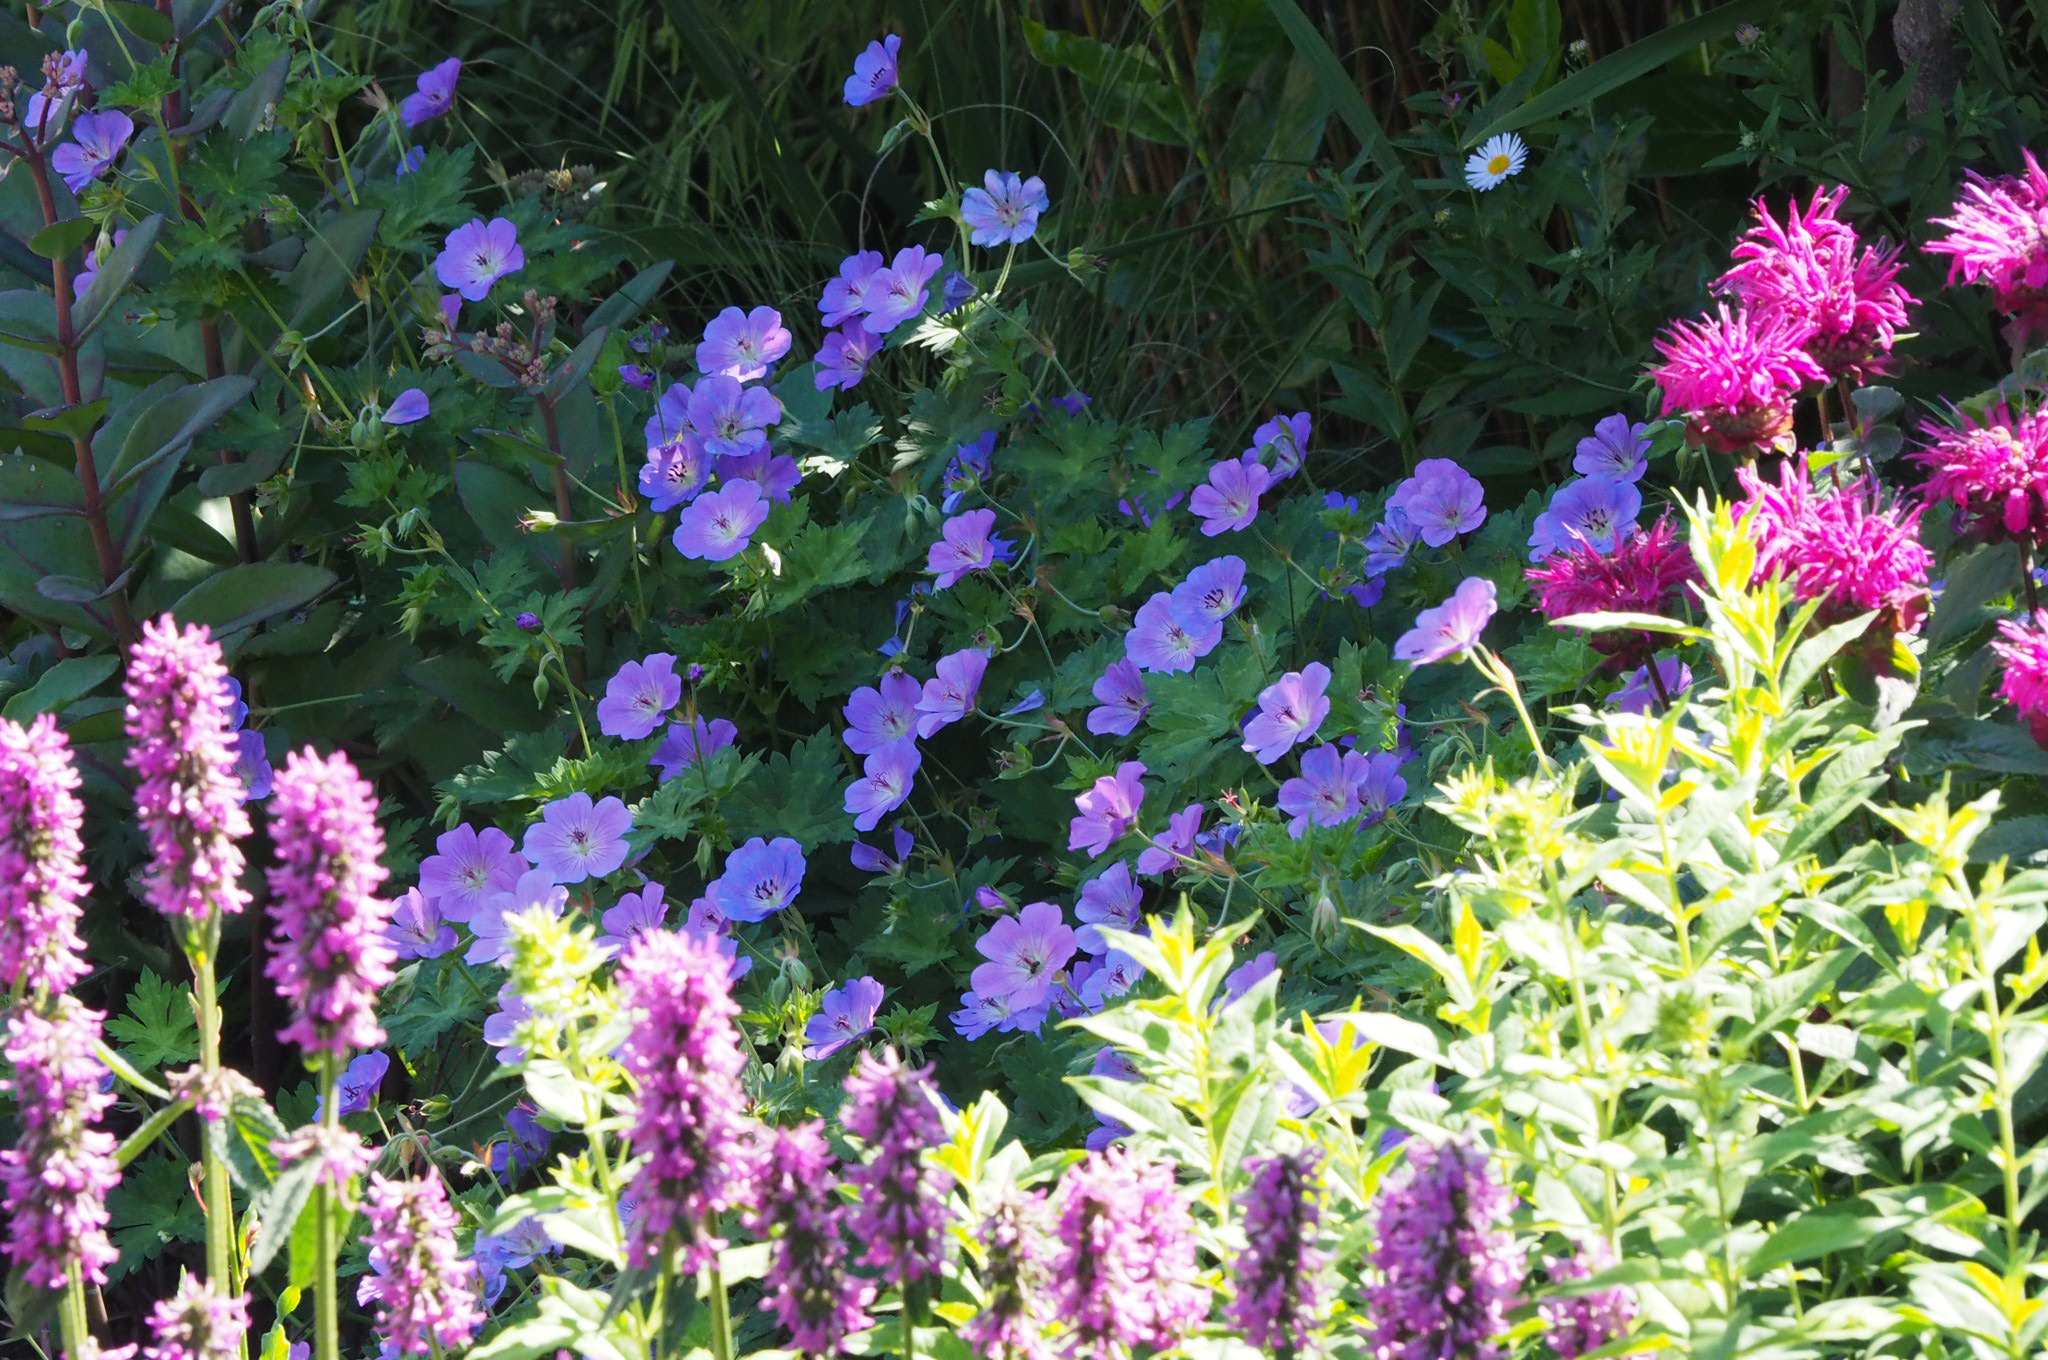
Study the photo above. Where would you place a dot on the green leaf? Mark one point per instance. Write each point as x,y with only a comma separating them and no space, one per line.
67,421
576,367
621,307
797,795
497,501
31,488
277,1208
1342,90
28,320
1610,73
59,239
146,22
169,426
334,250
72,678
113,275
244,595
159,1029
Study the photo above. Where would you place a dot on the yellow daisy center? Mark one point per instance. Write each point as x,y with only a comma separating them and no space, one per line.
1499,164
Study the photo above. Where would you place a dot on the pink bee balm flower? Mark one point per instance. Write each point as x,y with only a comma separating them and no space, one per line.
1735,375
1995,474
1811,270
720,524
1024,952
1998,235
2023,646
1108,810
637,699
577,839
1290,709
1852,547
477,255
743,345
1229,501
1451,628
1645,574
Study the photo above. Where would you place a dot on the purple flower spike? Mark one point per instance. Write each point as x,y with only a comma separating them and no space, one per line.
1121,693
428,1295
477,255
688,743
1286,437
809,1288
1158,641
468,869
1005,211
1616,450
967,544
42,877
1452,627
1290,710
884,784
407,407
1125,1276
1024,952
578,839
1278,1295
846,297
1448,1271
949,696
720,525
633,916
846,1014
436,94
98,139
761,878
55,1179
874,72
901,1213
900,292
743,345
197,1322
638,698
1229,501
1593,512
1013,1280
1441,500
1108,810
844,357
1210,594
1585,1322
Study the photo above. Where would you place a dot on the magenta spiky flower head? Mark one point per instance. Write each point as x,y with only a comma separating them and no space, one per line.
1995,473
810,1290
189,798
1851,547
1447,1271
329,953
1580,1323
1735,375
1277,1294
901,1215
55,1180
1645,574
41,882
427,1296
1013,1280
1814,270
2023,645
197,1323
690,1117
1125,1272
1998,235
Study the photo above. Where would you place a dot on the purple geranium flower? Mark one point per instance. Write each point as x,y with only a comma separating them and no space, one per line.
870,860
720,524
97,142
634,914
671,418
1287,437
407,407
846,1013
1326,791
949,696
358,1085
1639,695
776,474
501,1025
1381,785
675,472
1229,501
436,93
1290,709
1441,500
1024,952
638,698
535,888
957,289
1592,512
1210,594
527,1141
874,72
1386,547
1248,975
967,544
1616,450
884,783
896,294
1175,844
1450,628
1121,693
1005,212
761,878
634,376
882,719
743,345
252,766
689,742
968,467
1108,809
979,1014
1110,977
577,839
1158,641
846,297
843,358
1111,898
468,869
478,254
732,419
419,929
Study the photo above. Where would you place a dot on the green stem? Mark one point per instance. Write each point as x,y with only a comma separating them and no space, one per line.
721,1317
71,1322
326,1284
220,1201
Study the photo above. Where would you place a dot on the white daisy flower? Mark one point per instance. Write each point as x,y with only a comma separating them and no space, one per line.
1493,163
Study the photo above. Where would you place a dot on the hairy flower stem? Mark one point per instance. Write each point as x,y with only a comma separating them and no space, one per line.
71,1323
326,1284
220,1202
721,1316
